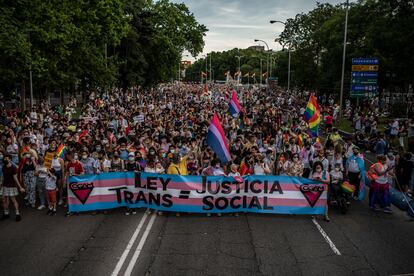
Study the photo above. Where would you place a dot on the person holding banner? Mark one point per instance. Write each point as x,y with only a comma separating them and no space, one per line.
178,165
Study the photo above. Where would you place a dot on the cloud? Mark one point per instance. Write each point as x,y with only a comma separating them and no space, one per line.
236,23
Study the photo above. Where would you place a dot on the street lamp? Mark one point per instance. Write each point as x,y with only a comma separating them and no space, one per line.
290,44
268,54
341,95
238,80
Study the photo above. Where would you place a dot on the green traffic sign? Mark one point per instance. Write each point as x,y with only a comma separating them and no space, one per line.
364,81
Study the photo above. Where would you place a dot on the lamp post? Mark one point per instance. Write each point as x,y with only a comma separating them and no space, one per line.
261,72
341,95
238,79
268,54
290,44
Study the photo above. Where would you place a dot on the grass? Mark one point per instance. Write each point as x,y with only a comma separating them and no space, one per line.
346,125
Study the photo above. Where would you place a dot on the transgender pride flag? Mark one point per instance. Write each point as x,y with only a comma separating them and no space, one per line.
217,140
234,105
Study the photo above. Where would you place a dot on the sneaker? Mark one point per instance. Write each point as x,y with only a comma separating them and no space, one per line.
49,212
41,207
127,213
60,202
134,212
375,209
387,210
160,213
219,214
4,217
18,217
53,213
177,214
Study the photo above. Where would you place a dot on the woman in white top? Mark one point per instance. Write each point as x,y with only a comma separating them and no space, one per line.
260,167
58,166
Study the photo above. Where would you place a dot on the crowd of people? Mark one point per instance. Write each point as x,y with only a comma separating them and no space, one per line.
163,130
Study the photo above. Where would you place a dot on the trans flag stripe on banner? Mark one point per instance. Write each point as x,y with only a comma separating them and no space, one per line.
217,140
197,194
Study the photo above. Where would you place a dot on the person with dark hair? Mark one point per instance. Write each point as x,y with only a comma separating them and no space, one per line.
11,188
355,169
403,172
319,174
379,188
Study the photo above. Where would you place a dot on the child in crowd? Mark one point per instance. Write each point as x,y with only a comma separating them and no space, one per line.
51,189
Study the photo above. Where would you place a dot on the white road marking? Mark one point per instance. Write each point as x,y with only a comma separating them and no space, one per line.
138,251
129,246
325,236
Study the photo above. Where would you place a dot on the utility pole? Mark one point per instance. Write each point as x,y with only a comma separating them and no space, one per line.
341,95
210,67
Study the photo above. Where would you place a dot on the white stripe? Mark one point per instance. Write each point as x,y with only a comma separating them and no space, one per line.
233,104
129,246
138,251
325,236
216,132
194,194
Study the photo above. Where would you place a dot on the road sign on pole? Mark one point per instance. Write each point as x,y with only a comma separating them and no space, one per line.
364,77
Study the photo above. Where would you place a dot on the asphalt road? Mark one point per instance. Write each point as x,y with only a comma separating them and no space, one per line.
369,244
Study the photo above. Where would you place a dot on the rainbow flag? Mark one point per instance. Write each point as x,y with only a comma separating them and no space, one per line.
300,140
313,115
243,169
61,150
350,189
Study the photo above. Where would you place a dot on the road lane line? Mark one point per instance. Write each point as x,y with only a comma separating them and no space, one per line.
129,246
328,240
138,251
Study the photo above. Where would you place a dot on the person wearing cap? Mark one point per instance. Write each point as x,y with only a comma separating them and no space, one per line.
355,169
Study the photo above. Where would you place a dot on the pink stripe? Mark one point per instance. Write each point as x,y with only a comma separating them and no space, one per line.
222,139
217,124
235,100
197,186
199,201
113,182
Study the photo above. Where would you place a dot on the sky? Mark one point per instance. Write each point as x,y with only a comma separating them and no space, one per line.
236,23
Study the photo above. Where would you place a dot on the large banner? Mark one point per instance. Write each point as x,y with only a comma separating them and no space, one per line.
197,194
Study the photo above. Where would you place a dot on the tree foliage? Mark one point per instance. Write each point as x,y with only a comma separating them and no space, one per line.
100,43
383,29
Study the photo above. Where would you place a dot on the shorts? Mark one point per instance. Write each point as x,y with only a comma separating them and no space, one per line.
51,196
10,191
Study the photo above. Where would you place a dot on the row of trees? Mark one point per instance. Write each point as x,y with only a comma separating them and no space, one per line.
383,29
79,44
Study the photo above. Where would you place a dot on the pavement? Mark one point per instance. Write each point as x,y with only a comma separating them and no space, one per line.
193,244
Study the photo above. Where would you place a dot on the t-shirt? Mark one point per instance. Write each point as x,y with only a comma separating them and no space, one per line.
8,179
180,168
75,168
51,183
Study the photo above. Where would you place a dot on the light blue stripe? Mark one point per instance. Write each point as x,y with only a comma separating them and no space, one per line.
191,178
293,210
